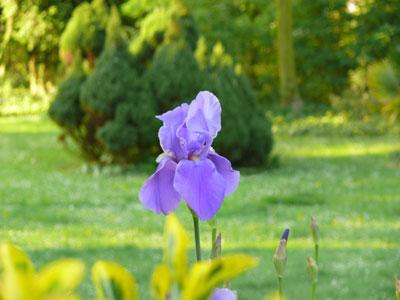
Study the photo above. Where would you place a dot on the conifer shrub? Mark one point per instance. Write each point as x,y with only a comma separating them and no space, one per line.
247,136
110,112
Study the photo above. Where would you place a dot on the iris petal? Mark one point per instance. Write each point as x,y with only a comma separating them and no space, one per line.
158,193
201,186
204,114
223,294
172,120
224,167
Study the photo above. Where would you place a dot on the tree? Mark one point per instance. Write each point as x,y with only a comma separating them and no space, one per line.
287,70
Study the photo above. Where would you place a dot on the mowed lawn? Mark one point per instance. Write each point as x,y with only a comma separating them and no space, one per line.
52,208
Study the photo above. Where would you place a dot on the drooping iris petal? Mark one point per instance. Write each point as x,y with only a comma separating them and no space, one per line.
201,186
158,193
204,114
224,167
223,294
167,134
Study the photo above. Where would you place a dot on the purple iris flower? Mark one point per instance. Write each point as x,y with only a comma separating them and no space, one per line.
189,168
223,294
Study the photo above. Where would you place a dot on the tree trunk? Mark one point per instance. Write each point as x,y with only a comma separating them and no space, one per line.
32,74
287,71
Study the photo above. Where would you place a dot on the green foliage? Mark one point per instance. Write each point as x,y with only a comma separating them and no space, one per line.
384,85
174,75
378,30
116,99
108,85
85,31
323,47
65,109
246,136
122,95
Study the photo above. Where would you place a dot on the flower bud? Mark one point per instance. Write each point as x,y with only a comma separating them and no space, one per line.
216,249
314,230
312,269
397,289
280,257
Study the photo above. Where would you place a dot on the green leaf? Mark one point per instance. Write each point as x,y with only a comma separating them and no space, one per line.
17,274
60,279
205,276
113,282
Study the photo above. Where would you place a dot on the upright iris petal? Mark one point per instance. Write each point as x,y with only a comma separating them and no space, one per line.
172,120
204,114
189,168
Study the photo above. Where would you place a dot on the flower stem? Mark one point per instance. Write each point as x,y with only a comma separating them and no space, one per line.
312,293
197,236
213,240
280,288
316,248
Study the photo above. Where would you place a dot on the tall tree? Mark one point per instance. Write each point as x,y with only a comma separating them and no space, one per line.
287,70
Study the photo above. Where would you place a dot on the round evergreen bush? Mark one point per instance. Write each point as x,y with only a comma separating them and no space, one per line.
174,75
65,109
115,97
246,137
111,113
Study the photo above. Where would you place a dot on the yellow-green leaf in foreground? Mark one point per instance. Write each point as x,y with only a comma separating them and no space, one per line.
161,282
177,247
113,282
17,274
60,279
205,276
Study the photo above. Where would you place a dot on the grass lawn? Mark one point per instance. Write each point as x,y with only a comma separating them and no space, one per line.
53,209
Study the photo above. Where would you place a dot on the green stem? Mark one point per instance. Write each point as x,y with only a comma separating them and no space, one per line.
316,253
312,294
280,287
213,240
197,236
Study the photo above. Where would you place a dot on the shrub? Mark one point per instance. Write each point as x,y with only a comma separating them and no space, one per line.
65,109
116,105
174,75
116,98
247,137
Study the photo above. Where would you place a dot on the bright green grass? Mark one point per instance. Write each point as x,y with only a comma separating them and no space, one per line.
53,209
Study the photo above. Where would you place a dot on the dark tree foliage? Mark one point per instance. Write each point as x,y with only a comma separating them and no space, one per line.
174,75
378,31
246,137
323,52
65,109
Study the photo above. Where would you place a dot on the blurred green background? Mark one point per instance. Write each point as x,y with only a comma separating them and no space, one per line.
311,116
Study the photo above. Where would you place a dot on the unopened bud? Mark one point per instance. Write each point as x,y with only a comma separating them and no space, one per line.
312,269
314,230
280,257
397,289
216,249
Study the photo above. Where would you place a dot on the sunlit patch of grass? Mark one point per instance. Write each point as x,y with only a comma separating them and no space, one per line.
348,149
36,123
54,209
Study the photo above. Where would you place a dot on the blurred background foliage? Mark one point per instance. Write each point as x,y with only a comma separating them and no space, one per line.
119,63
